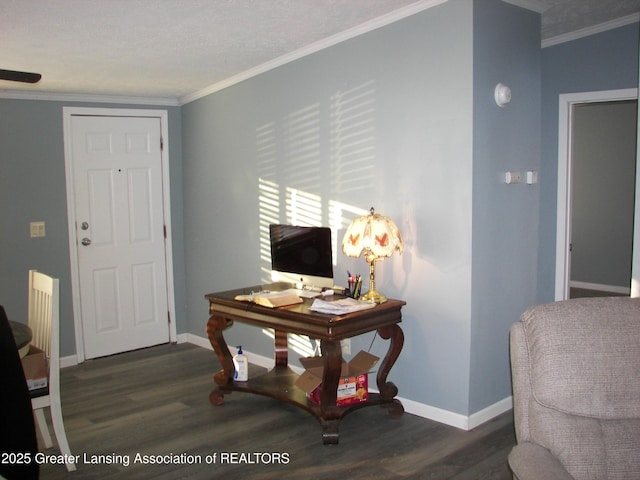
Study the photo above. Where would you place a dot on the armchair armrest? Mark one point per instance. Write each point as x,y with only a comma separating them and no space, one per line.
529,461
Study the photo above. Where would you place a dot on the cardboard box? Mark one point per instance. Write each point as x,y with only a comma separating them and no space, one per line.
353,386
34,365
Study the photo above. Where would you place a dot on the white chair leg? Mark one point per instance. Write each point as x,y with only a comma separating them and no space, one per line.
61,435
42,426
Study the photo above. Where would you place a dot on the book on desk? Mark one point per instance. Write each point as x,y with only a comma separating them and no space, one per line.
271,299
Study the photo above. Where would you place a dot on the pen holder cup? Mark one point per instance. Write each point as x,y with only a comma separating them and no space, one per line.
351,288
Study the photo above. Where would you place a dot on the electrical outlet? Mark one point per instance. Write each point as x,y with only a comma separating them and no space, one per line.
345,344
36,229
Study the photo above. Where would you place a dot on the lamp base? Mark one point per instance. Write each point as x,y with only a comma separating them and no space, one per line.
373,296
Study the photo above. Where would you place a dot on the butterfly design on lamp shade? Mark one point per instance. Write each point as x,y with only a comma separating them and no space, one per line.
353,240
382,241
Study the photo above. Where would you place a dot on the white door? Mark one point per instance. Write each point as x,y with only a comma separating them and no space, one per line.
117,183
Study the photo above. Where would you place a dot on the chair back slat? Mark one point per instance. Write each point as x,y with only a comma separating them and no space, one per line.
43,310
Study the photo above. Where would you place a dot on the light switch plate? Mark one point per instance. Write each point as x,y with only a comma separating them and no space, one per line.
512,177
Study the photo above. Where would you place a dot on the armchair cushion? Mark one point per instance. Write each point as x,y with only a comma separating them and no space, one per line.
576,384
585,359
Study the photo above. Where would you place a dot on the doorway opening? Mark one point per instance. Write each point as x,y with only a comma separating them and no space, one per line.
591,212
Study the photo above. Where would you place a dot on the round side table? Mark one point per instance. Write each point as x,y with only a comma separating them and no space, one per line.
22,335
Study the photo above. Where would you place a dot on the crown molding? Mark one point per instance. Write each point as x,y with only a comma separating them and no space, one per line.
363,28
85,98
585,32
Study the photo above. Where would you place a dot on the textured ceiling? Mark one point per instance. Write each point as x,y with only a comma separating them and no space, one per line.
564,16
172,49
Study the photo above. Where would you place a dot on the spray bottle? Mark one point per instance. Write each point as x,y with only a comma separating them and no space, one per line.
241,365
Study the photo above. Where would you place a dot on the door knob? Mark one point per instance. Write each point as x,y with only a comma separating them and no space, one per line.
84,225
86,241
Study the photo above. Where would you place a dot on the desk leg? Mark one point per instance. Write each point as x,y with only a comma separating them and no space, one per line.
388,390
215,326
332,355
281,347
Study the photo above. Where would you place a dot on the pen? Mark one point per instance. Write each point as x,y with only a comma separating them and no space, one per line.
351,281
356,291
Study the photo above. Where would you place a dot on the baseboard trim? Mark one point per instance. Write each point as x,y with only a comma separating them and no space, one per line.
410,406
68,361
436,414
600,287
490,412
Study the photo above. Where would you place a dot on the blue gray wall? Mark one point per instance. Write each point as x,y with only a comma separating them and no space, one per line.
505,217
606,61
32,188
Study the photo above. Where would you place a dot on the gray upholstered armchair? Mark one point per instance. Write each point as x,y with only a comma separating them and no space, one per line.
576,390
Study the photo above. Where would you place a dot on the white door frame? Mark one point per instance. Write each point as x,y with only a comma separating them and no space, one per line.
565,168
68,112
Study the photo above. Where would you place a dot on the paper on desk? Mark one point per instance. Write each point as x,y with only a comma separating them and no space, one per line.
340,307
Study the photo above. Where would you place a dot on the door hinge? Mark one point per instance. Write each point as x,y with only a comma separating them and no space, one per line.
164,231
169,317
161,144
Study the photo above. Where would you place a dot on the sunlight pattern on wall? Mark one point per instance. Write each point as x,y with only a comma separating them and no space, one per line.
268,192
305,159
304,209
302,156
269,201
340,217
352,139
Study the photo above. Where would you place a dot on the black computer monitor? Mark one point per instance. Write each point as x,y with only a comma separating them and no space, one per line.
301,255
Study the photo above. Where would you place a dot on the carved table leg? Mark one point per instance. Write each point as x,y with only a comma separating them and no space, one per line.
388,390
332,356
281,349
215,326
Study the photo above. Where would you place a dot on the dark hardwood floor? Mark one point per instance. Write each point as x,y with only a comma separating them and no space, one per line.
155,402
575,292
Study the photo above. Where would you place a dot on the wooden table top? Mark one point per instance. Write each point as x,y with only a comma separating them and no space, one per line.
299,318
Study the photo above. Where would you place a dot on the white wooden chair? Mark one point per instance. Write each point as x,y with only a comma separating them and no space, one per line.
44,321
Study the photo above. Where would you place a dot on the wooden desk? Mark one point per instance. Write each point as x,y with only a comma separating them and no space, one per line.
278,383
